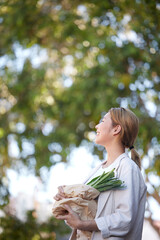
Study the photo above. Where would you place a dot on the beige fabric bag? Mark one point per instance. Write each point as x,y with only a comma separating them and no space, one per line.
81,198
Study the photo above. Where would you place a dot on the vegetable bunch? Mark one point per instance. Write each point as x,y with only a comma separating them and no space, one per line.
106,181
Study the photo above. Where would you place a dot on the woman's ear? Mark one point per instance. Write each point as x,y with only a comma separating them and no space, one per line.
117,130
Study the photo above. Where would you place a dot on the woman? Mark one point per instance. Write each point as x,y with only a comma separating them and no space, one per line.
120,212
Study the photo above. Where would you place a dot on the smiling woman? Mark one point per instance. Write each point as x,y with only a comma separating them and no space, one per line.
104,130
120,212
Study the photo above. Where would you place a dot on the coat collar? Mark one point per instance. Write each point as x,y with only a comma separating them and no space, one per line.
115,165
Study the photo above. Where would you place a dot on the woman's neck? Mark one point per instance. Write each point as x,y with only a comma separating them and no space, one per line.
113,154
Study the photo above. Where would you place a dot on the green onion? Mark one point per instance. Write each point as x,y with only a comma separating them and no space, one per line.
106,181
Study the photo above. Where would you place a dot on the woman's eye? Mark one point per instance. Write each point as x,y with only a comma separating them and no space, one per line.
101,121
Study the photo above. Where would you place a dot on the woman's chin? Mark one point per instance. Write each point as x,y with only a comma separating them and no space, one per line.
96,141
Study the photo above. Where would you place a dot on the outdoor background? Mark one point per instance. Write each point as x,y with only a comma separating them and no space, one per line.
63,64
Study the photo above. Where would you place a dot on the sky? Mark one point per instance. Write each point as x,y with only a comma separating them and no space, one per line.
80,165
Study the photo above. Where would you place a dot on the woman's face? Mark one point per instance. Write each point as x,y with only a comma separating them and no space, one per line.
104,131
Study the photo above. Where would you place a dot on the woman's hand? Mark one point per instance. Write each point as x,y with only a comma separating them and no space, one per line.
72,219
60,195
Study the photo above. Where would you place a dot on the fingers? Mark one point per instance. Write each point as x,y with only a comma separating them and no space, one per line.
68,208
62,217
60,189
71,212
60,195
71,218
68,211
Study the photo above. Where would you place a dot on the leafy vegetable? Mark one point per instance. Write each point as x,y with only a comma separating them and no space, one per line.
106,181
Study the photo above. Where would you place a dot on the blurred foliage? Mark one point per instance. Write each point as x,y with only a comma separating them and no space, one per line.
62,64
31,229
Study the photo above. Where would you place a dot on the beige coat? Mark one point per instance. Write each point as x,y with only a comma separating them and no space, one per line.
120,213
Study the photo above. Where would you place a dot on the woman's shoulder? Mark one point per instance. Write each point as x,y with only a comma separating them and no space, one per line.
128,165
129,168
128,161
